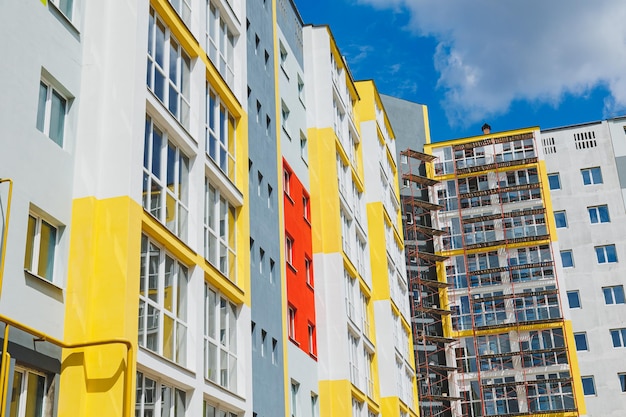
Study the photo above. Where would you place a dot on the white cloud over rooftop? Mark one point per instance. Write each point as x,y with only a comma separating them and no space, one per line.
493,52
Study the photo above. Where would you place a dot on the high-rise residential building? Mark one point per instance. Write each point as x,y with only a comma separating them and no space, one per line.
587,178
200,215
515,346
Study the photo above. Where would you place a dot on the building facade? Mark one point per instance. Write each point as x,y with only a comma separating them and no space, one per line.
515,351
585,165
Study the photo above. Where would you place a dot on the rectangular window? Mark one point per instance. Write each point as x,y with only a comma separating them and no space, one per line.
220,339
285,119
614,294
304,152
283,57
589,386
41,243
573,298
286,181
29,395
163,307
152,394
622,381
581,341
555,181
165,180
567,258
220,43
261,260
311,339
274,351
289,250
560,218
272,271
295,387
183,8
306,207
606,254
219,232
263,342
599,214
65,6
220,133
212,410
300,89
292,323
51,112
169,69
591,176
308,270
619,337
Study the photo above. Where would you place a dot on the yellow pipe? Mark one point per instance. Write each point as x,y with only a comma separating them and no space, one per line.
5,388
5,347
6,229
128,389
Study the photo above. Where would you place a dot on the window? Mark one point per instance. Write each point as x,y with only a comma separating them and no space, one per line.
289,250
269,196
219,232
619,337
573,298
165,180
295,387
220,134
183,9
581,341
261,260
151,394
285,118
162,303
263,339
311,339
29,394
306,207
220,339
555,181
220,43
41,242
65,6
286,181
259,183
591,175
211,410
274,351
169,69
51,112
283,57
599,214
268,125
314,409
560,218
307,270
292,323
304,153
589,386
300,89
614,295
622,381
567,258
606,254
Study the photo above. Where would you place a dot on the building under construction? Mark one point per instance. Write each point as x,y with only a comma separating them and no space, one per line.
507,345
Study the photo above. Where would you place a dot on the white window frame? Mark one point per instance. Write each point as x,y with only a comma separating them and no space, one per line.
220,232
34,247
618,334
213,410
291,317
220,41
596,211
604,251
287,181
183,8
558,178
590,174
220,131
556,222
44,111
593,382
221,317
165,194
289,250
584,335
294,400
175,88
155,306
284,118
610,290
21,393
155,393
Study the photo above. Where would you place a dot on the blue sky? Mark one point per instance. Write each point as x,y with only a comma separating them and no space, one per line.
512,64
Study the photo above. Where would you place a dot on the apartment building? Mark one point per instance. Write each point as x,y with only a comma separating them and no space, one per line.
586,180
188,225
515,351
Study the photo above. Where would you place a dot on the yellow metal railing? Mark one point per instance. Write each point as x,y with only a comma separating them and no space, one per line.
4,368
5,231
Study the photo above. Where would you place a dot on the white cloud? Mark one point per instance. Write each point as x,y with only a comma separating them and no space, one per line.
493,52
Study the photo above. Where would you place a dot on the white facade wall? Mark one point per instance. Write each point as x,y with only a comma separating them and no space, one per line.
569,150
